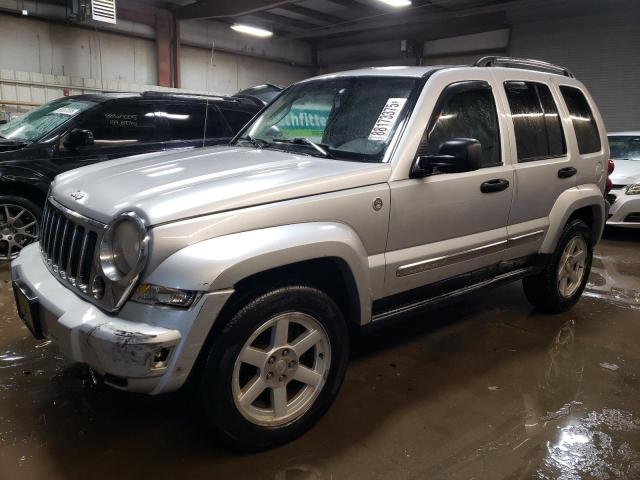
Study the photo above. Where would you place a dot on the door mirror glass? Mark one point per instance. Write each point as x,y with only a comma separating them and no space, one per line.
454,156
78,138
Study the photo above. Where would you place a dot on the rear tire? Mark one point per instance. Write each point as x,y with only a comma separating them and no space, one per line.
559,286
262,386
19,225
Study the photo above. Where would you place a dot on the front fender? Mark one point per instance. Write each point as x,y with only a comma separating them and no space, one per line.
567,203
221,262
13,175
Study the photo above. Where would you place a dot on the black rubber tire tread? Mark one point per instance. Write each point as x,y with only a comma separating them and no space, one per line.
542,289
214,388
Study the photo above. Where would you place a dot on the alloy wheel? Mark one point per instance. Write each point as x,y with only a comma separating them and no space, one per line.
18,228
281,369
571,269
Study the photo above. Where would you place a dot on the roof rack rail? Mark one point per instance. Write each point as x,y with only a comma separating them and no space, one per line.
526,63
163,94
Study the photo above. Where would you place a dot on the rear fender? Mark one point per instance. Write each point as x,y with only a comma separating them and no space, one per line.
569,202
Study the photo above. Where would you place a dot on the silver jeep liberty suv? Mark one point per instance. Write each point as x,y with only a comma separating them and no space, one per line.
352,199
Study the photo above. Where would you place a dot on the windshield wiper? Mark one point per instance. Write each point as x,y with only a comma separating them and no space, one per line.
322,149
256,142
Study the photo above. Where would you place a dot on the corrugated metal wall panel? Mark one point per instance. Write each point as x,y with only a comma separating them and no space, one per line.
603,51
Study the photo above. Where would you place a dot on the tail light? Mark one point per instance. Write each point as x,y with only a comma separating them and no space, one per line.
609,184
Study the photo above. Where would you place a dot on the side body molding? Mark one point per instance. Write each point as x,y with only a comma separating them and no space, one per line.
568,202
220,263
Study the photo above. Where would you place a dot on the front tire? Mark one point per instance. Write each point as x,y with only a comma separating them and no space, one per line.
275,368
19,225
559,286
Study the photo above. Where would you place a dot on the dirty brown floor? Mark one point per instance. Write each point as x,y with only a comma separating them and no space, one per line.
483,389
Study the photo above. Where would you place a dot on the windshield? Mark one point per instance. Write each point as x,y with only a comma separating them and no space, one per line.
344,118
625,147
40,121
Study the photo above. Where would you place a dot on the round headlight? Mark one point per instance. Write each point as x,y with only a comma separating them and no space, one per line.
126,246
122,247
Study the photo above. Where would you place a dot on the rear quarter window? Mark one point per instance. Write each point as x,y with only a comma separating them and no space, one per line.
583,121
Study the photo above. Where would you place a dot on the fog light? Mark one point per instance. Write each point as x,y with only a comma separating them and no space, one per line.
159,359
158,295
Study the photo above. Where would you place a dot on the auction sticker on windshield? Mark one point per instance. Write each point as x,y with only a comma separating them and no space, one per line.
387,119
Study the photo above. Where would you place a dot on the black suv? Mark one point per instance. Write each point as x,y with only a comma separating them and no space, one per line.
75,131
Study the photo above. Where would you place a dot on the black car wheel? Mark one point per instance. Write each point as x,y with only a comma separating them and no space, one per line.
559,286
19,225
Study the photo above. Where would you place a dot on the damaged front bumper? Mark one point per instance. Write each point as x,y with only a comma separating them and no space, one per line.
142,348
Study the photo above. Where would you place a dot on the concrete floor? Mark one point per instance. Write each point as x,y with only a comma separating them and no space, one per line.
483,389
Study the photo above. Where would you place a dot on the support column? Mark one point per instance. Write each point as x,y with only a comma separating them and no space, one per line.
167,39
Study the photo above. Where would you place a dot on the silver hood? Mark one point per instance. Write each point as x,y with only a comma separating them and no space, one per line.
164,187
626,172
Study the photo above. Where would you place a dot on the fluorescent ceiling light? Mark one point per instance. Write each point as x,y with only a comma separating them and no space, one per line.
397,3
249,30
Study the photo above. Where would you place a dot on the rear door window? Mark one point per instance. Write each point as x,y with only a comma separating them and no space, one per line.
584,123
217,127
237,118
184,120
553,126
536,121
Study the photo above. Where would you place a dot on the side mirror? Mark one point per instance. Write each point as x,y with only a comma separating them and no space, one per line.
454,156
78,138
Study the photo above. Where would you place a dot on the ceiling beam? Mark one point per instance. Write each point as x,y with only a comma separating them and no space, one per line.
313,16
222,9
357,9
286,23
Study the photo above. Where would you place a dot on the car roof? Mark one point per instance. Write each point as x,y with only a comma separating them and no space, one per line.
398,71
524,65
101,97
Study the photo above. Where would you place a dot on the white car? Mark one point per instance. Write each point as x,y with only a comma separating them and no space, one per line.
625,195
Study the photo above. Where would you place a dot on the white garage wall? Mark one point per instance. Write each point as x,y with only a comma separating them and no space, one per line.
603,51
34,49
229,73
36,46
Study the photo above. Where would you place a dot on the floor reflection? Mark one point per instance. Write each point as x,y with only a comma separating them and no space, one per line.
615,274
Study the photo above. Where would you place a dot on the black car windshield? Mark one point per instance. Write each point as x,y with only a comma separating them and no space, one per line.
40,121
345,118
625,147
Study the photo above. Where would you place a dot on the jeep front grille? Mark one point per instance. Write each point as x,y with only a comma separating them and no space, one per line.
68,244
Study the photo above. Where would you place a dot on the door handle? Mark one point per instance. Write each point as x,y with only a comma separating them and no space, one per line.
567,172
495,185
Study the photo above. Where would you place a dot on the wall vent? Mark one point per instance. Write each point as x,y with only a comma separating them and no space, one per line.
103,10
